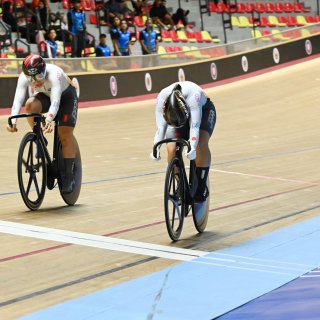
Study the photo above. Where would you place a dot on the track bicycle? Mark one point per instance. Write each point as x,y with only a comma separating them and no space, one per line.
37,170
179,192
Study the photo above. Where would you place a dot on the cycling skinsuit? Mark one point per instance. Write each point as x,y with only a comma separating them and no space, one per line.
202,114
58,97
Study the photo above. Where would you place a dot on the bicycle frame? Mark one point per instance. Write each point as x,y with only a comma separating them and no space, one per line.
191,183
38,120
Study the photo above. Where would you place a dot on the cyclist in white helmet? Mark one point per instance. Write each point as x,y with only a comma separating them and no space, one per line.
54,93
183,110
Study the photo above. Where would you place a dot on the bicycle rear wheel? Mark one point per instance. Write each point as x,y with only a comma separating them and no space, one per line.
32,171
200,213
174,199
71,198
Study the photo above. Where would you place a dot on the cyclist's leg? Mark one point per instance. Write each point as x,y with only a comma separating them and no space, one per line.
172,132
67,117
203,160
38,103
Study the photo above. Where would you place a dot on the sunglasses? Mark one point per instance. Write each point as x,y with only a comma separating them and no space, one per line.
38,77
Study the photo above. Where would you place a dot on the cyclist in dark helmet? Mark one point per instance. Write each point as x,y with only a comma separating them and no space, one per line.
54,93
183,110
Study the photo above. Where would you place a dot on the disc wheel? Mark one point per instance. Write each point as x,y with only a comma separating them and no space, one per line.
70,198
174,199
200,213
32,171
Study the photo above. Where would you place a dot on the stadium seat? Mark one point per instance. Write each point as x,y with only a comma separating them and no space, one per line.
161,50
244,22
166,36
278,7
241,8
173,36
301,20
288,7
269,6
182,36
257,35
138,22
260,7
198,36
278,35
311,19
234,21
206,36
297,6
221,7
292,21
191,36
273,21
212,7
250,7
283,21
305,33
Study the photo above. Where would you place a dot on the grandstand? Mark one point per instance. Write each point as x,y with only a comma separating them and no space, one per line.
243,20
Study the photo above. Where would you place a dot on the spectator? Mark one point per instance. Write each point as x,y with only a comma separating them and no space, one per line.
113,9
41,13
52,46
103,50
160,14
8,17
77,25
180,15
115,27
148,39
121,42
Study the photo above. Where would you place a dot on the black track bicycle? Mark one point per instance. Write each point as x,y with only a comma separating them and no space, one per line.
179,192
37,170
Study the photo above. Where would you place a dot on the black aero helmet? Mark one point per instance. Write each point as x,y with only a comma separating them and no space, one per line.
175,110
33,64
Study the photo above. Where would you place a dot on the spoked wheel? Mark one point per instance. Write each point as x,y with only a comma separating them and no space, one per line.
174,199
70,198
32,171
200,213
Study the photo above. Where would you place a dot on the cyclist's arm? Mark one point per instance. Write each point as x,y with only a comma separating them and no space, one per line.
161,123
195,121
55,97
19,96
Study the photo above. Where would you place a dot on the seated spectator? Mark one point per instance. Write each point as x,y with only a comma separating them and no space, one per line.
8,17
180,15
113,9
148,39
160,14
103,50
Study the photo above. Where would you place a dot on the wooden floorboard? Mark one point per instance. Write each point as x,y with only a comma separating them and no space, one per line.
265,176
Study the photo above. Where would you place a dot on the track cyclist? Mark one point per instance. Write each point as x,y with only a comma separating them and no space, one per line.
55,94
183,110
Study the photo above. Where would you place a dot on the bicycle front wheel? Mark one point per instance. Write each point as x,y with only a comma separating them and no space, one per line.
174,199
32,171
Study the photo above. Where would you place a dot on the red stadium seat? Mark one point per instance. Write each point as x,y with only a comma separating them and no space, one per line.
288,7
292,21
269,6
299,8
279,7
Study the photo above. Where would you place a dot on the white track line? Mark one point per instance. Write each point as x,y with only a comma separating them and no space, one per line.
265,177
97,241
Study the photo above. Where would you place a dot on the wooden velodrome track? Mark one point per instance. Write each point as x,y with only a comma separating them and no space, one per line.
265,175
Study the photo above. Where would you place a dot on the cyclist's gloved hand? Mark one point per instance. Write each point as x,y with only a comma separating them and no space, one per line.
192,154
158,155
48,128
13,128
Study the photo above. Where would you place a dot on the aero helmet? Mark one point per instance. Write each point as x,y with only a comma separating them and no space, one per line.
176,110
33,65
